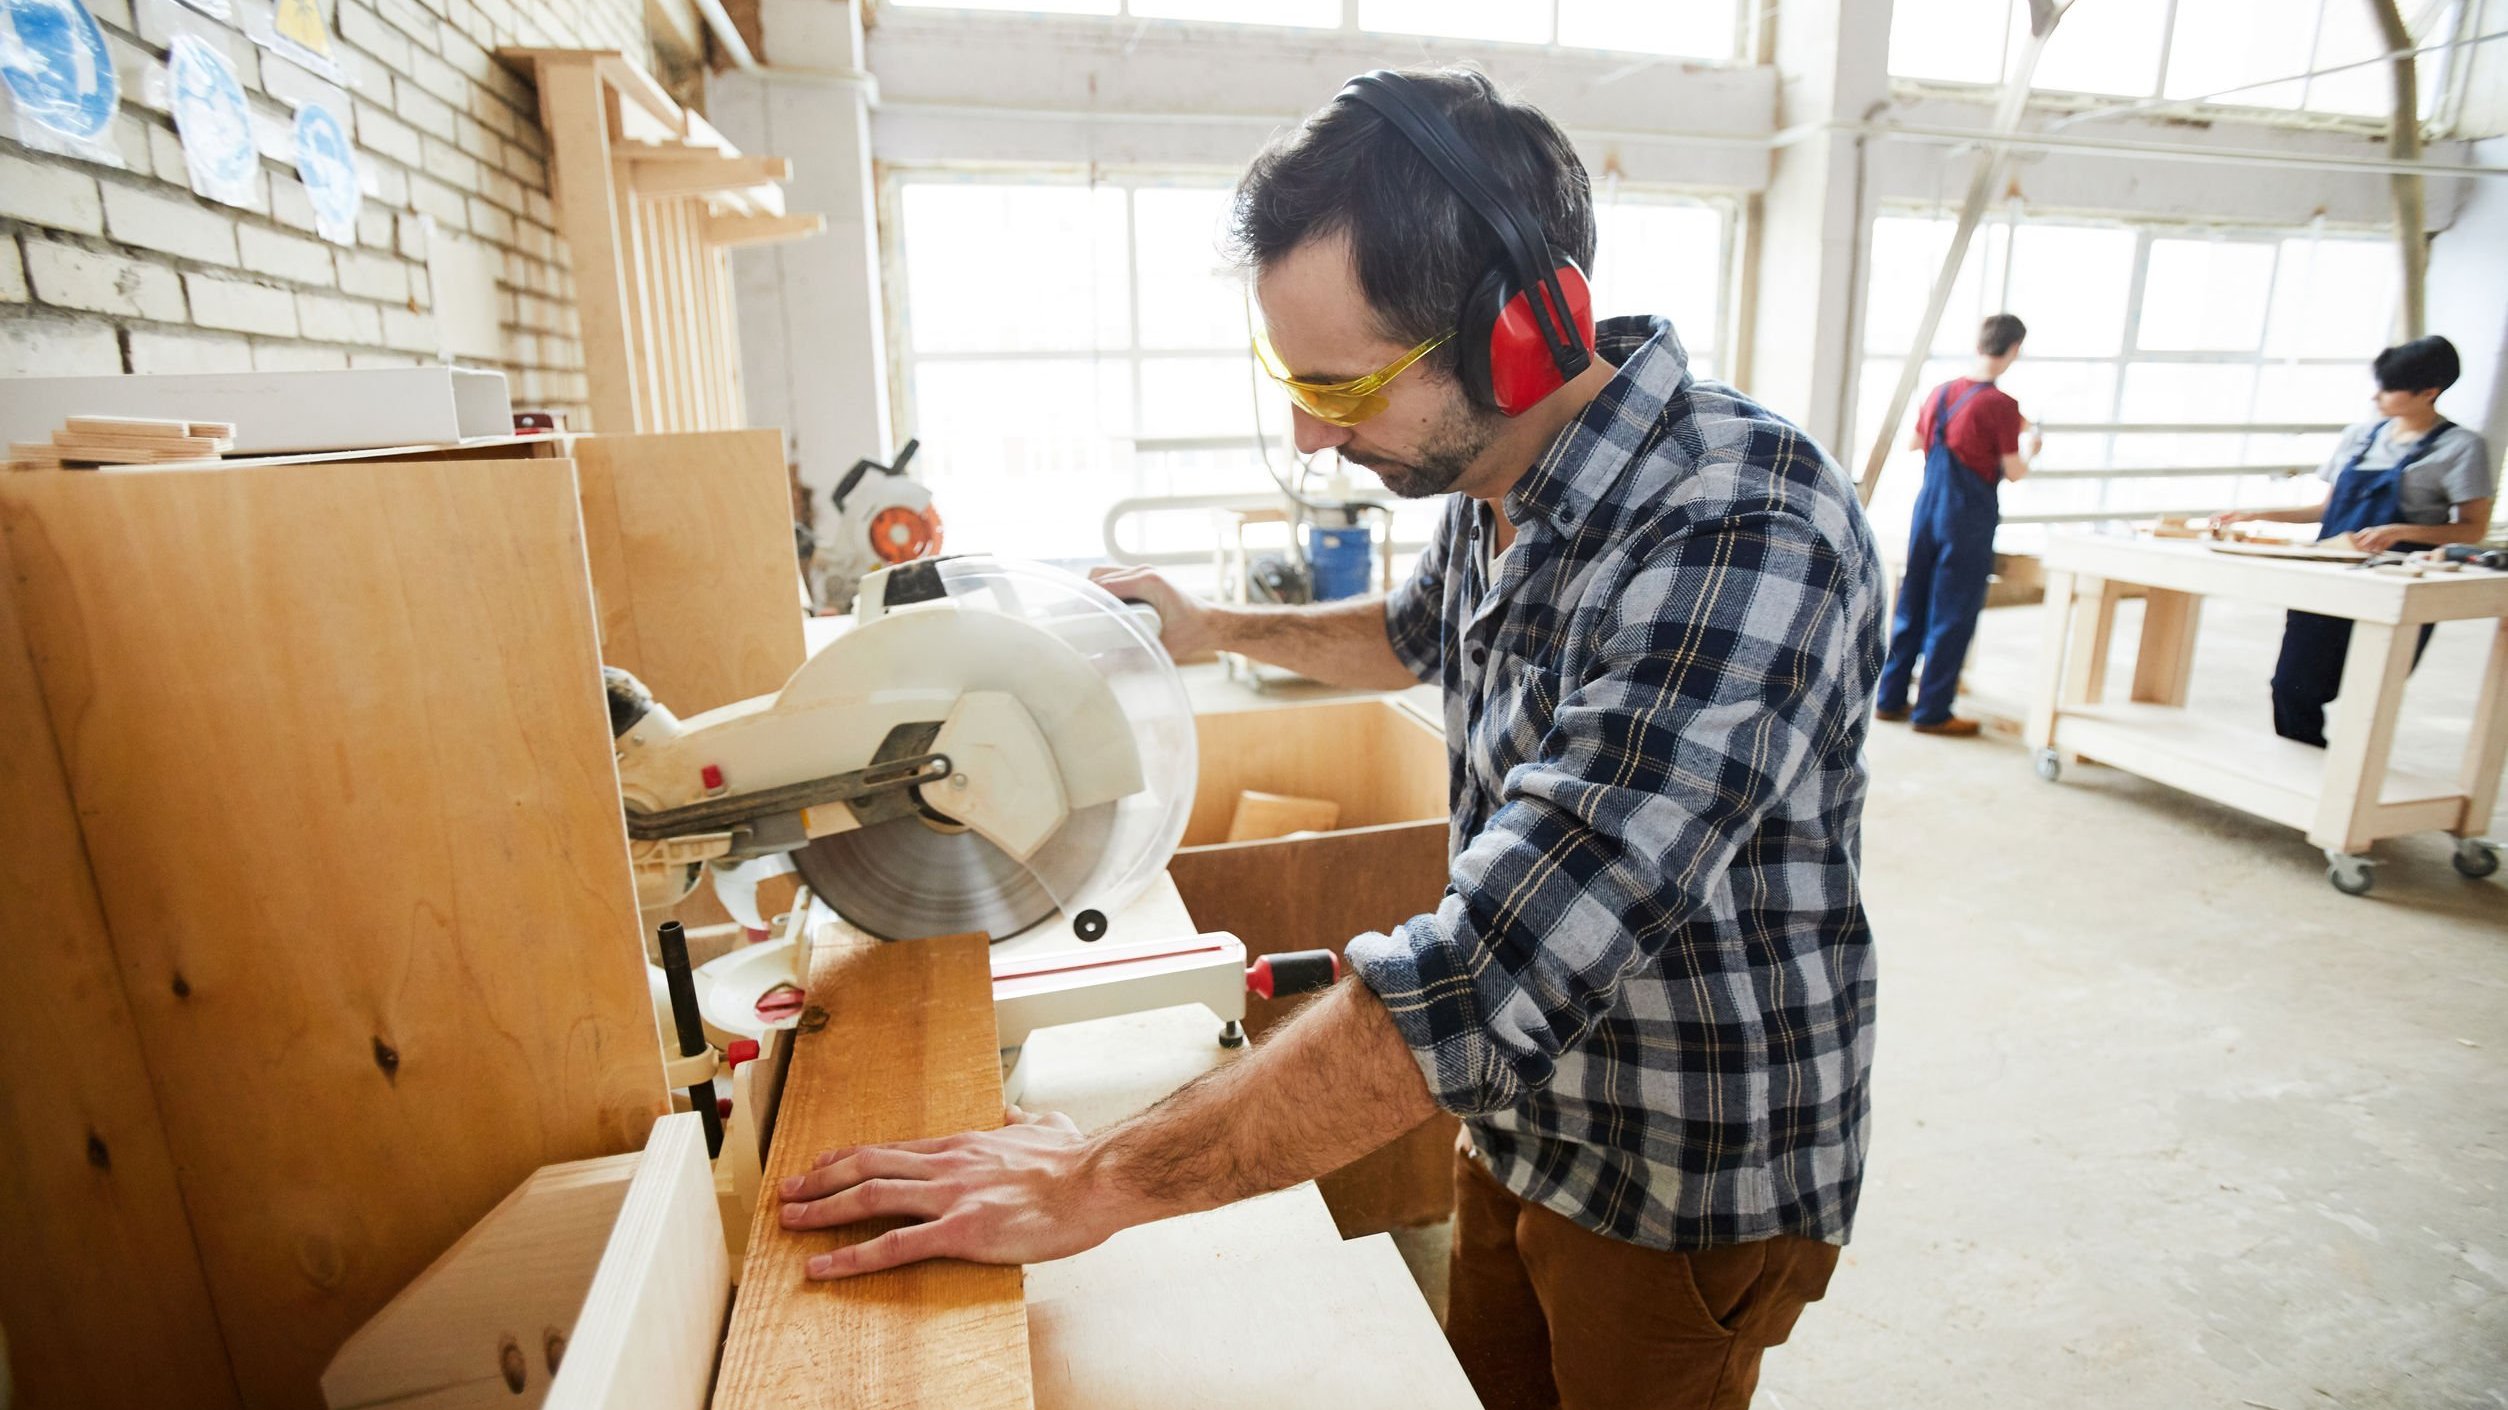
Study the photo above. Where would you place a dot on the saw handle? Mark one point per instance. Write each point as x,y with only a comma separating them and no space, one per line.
1293,972
684,1017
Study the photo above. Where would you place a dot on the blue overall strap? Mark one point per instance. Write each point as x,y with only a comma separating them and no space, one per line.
1943,410
2366,498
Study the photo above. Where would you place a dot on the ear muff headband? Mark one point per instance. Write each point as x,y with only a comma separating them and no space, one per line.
1392,96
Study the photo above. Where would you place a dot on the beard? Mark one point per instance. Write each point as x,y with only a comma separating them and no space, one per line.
1441,460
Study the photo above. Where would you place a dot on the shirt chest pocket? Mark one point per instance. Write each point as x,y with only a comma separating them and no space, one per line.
1516,699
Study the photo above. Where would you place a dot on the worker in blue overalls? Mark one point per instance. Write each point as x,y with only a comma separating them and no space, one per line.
1970,431
2411,478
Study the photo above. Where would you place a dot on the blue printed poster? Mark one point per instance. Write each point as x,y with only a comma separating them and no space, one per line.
215,124
59,78
328,165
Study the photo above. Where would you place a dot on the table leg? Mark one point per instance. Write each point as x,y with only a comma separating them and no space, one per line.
2487,750
2089,668
2040,732
2164,660
2362,732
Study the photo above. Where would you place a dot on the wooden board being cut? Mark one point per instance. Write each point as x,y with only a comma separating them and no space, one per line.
340,755
92,1229
897,1043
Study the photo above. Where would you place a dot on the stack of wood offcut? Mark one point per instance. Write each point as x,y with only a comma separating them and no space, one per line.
84,442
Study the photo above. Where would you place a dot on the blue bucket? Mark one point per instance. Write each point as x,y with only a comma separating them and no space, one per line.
1342,559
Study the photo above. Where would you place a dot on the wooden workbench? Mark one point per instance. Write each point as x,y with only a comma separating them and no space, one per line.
2344,797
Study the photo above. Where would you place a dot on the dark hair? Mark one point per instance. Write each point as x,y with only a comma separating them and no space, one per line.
2422,365
1419,248
2000,334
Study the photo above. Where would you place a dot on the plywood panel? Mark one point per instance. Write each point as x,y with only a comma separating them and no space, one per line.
1379,763
338,745
92,1229
692,562
1306,893
897,1043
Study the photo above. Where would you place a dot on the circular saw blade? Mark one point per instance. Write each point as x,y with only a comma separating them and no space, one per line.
906,880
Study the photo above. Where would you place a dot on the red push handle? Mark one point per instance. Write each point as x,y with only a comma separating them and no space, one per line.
1293,972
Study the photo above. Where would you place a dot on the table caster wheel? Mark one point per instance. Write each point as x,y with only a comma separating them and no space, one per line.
2050,765
2475,857
1232,1034
2352,875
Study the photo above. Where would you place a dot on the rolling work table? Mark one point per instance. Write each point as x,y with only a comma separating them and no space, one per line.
2345,797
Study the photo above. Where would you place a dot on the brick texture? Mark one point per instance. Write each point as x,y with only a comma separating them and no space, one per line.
125,270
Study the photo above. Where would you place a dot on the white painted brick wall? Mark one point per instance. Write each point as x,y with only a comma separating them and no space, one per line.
40,345
70,276
241,305
105,270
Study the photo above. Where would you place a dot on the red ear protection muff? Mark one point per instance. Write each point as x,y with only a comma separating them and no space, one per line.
1528,325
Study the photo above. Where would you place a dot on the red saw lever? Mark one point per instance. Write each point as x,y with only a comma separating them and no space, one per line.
1293,972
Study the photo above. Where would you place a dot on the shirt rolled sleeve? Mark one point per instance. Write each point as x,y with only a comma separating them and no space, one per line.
1714,685
1415,609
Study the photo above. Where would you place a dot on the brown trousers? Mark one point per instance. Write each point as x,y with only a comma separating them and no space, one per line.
1547,1315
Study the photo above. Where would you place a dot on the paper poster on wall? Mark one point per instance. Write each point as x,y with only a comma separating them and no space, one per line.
299,30
328,164
214,121
61,91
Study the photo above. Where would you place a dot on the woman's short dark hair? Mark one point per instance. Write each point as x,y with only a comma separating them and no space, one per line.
1419,248
2000,334
2422,365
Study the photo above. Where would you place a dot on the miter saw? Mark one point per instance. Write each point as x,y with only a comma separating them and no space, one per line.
883,517
994,746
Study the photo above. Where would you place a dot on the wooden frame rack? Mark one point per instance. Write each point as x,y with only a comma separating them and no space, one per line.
649,197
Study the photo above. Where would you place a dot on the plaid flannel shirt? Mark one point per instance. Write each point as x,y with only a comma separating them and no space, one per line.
1648,989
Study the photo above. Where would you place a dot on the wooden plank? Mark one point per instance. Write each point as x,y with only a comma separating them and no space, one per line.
92,1228
487,1323
2361,733
2097,623
1262,816
897,1044
726,231
692,563
573,113
653,1320
683,175
2487,750
367,879
1309,893
2164,660
2054,629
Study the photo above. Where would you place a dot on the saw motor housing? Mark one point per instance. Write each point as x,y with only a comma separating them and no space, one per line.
991,742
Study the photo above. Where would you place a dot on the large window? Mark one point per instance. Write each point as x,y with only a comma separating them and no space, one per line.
1697,29
1060,345
2238,53
2136,325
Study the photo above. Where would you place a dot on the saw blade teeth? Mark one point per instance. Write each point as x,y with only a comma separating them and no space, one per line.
907,880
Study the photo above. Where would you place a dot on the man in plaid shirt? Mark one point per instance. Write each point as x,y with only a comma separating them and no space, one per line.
1654,611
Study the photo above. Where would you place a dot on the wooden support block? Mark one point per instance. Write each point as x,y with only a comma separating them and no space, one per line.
726,231
2361,734
2487,749
127,426
367,883
2164,661
1262,816
683,176
484,1323
897,1043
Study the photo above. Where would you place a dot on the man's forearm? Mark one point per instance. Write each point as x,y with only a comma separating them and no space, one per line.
1332,1085
1337,643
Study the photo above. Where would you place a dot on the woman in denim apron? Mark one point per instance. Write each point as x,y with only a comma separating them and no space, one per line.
2412,479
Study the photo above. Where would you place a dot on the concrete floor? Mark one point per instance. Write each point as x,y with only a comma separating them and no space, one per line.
2160,1118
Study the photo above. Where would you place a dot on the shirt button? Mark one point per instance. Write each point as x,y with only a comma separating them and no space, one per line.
1480,655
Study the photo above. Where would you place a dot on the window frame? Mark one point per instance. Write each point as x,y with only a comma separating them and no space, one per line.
1745,22
2130,353
2443,81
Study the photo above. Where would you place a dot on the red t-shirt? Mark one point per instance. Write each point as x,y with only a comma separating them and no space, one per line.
1982,432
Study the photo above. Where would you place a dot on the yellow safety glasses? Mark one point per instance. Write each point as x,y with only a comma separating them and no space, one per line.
1343,403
